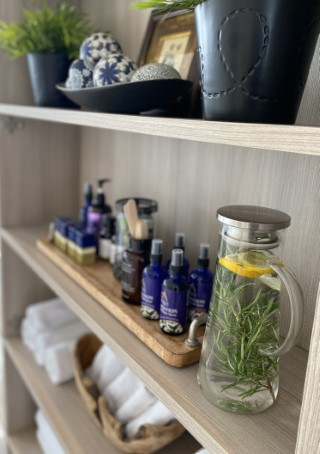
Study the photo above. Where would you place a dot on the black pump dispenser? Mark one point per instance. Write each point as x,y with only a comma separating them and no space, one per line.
100,200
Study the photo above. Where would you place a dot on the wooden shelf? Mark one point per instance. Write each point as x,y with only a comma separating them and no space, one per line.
24,442
67,413
292,139
273,431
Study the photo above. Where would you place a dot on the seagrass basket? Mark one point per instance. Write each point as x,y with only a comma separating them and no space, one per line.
150,438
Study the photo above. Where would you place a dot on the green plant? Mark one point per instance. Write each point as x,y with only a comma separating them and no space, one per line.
44,29
168,5
245,322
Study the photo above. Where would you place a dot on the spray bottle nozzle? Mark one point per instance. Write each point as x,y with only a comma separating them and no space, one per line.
156,248
177,258
203,258
87,190
179,242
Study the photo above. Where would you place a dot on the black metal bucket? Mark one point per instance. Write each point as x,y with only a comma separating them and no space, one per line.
255,57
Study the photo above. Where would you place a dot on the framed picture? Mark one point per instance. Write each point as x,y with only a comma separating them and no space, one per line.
171,39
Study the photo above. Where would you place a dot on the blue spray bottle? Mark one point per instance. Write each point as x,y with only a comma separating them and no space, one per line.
200,285
174,297
152,279
180,244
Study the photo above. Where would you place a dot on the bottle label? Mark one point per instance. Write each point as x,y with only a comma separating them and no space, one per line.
173,311
104,248
199,298
150,298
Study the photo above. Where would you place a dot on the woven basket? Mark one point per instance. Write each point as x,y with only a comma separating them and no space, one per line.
150,438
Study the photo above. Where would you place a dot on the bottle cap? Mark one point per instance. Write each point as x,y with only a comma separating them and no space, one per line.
179,242
156,250
177,258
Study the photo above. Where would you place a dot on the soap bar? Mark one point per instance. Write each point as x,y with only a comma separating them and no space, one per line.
71,243
97,46
60,238
114,69
85,250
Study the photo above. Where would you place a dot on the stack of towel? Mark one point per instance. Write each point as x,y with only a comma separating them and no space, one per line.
46,437
128,399
50,330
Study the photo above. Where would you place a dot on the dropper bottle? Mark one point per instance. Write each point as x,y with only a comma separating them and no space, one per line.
180,244
152,279
200,285
174,297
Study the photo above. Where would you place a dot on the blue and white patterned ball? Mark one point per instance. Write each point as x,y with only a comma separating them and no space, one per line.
114,69
97,46
79,75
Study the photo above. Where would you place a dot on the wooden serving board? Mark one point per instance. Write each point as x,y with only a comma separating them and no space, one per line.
99,282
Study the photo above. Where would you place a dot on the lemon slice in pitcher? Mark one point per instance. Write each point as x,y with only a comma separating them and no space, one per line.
250,264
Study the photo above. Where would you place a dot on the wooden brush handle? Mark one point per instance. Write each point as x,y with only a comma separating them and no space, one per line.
131,213
141,231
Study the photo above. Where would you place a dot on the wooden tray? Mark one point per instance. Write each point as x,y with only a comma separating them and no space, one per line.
100,283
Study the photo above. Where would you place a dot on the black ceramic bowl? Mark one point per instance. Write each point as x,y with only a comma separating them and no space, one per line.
131,97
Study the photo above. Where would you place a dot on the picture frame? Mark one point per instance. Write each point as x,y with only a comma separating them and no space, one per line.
171,39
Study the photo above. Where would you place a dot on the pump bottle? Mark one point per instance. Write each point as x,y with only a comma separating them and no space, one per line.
200,285
98,208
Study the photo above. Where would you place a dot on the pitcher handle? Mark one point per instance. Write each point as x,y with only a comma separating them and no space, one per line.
296,307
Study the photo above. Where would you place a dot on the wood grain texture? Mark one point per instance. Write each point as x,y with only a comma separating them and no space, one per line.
67,413
271,432
30,290
292,139
16,397
38,173
309,434
24,442
98,281
192,180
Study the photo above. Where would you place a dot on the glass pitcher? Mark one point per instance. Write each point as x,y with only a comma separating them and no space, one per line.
239,364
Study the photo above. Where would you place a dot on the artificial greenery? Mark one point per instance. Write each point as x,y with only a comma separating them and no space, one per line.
44,29
168,5
244,325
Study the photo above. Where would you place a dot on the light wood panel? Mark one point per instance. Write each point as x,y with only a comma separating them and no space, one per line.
272,432
309,433
68,415
287,138
24,442
191,181
19,407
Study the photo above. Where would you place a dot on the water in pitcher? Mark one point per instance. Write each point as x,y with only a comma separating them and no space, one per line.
237,370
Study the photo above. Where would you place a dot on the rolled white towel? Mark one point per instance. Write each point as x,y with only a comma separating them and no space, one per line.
105,368
202,451
140,400
27,334
49,314
46,436
58,362
121,389
157,414
65,333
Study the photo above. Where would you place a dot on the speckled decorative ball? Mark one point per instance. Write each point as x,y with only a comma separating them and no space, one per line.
97,46
79,75
155,71
112,70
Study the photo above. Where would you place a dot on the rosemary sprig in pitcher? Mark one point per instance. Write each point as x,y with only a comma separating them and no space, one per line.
242,329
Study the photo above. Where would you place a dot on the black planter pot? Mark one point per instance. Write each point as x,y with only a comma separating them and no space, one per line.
255,57
47,70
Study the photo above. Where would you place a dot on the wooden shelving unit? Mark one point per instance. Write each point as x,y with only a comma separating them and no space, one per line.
66,411
292,139
191,167
177,388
